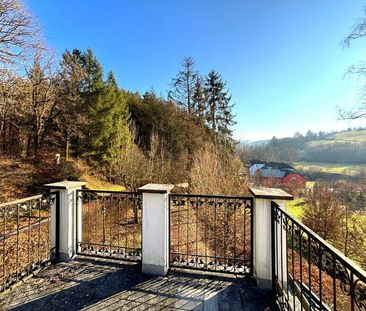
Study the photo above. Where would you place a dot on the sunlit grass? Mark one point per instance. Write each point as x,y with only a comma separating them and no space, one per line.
296,208
338,168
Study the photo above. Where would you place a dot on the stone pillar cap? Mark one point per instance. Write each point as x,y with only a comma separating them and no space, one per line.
156,188
270,193
66,184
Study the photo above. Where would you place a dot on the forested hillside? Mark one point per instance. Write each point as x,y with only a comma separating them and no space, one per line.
73,107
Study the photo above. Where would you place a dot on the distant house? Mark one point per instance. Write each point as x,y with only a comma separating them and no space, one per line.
279,173
255,165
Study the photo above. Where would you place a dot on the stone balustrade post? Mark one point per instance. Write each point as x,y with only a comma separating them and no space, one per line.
65,219
155,228
262,233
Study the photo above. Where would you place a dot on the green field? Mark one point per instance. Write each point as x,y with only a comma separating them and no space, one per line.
343,137
355,136
338,168
295,208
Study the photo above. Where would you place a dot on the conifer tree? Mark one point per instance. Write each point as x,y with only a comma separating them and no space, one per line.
182,87
220,117
106,127
71,118
120,136
199,99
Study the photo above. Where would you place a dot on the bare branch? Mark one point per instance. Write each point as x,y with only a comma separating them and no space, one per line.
17,31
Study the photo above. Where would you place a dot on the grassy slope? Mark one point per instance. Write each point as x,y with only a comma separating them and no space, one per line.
356,136
339,168
21,178
295,208
351,136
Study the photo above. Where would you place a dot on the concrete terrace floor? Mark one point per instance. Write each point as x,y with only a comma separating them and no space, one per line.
104,284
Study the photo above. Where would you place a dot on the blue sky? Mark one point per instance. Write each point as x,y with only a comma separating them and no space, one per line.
282,59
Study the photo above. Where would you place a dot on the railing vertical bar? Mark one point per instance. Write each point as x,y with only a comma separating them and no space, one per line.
206,218
215,218
95,206
244,237
334,283
293,265
170,221
352,288
301,281
4,248
39,229
118,222
187,235
286,235
17,248
225,235
251,234
135,220
276,254
88,231
281,254
178,246
320,277
104,210
110,224
29,237
126,227
197,207
235,212
309,267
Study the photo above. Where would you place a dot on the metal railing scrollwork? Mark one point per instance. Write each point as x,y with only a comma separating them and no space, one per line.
212,233
310,274
25,237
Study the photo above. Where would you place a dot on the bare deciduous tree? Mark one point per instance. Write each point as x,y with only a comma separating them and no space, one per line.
224,176
357,31
322,212
39,91
17,31
183,86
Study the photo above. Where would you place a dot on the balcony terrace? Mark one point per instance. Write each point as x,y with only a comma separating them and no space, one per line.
106,284
76,249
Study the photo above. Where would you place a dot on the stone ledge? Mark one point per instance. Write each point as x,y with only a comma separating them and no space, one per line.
66,185
270,193
156,188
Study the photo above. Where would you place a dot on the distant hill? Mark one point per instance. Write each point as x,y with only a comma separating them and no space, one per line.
254,143
335,147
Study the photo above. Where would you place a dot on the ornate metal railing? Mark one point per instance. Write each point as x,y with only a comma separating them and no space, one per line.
211,233
111,224
308,273
25,237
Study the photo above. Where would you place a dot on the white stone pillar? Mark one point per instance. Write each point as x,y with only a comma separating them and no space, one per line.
262,233
155,228
67,222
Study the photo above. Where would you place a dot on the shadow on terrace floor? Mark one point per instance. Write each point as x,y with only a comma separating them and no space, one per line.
102,284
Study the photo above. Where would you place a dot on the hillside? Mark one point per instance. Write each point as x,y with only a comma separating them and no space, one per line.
20,178
334,147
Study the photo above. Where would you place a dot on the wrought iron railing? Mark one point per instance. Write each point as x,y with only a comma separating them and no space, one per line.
211,233
25,237
308,273
111,224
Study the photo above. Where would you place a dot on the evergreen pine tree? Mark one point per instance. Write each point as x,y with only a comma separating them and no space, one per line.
183,87
71,118
106,126
220,117
120,136
199,99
